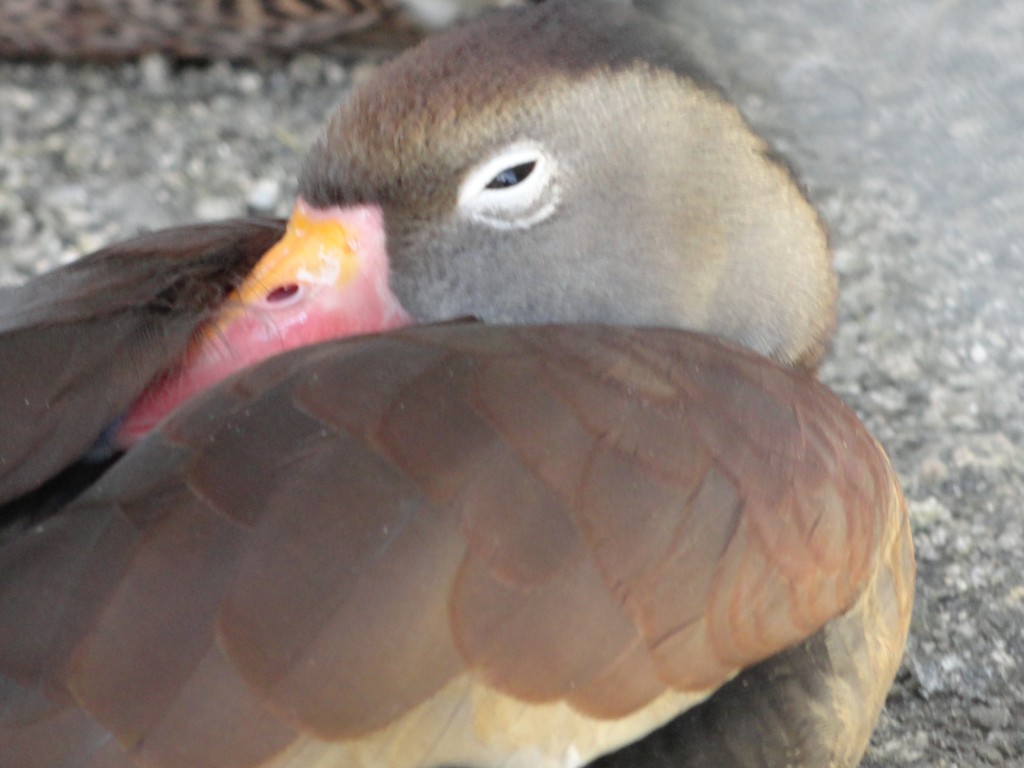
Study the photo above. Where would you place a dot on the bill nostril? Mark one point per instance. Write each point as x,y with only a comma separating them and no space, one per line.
282,293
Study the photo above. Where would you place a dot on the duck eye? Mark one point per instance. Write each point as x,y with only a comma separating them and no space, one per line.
515,188
512,176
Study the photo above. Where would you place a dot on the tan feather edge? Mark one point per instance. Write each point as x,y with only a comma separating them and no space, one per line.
483,727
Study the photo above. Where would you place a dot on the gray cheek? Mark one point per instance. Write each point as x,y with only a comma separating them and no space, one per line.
514,276
440,273
421,292
433,284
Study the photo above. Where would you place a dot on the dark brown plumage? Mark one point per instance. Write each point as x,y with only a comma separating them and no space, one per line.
219,29
80,343
381,568
503,543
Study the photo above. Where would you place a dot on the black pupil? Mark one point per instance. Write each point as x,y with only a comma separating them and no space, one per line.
511,176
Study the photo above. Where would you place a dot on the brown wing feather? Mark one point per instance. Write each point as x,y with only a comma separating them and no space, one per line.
333,541
78,344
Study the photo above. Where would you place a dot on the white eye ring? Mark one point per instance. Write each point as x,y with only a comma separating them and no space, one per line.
530,198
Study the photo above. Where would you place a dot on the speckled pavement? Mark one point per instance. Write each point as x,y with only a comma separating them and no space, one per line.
905,120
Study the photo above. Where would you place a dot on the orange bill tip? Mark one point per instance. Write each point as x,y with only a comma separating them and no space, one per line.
315,250
327,278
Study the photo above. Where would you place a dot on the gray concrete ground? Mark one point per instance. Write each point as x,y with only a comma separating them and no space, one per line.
905,121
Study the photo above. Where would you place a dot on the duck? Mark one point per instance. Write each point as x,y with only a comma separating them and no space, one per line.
108,30
506,449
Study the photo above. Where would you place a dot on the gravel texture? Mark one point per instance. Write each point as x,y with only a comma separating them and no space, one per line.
903,119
